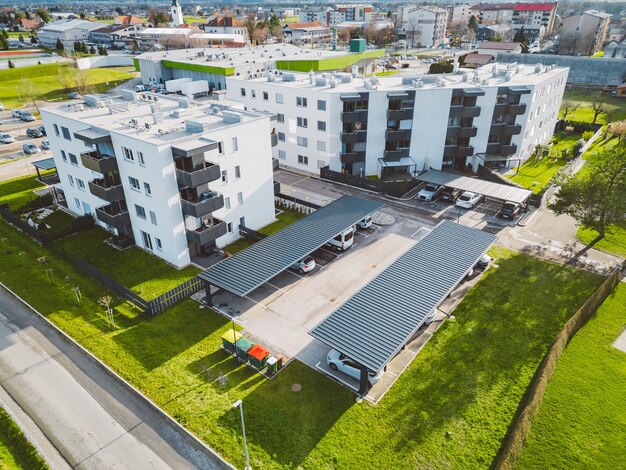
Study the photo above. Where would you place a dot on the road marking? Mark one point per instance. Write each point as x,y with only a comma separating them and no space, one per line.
417,231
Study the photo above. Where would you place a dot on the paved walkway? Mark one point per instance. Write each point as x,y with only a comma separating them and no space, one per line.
77,413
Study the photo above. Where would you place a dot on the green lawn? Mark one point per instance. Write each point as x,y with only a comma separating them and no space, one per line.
584,111
614,241
48,82
18,191
582,420
535,175
450,409
16,452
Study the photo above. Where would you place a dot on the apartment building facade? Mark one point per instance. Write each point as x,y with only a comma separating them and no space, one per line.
384,126
423,26
66,31
175,179
584,33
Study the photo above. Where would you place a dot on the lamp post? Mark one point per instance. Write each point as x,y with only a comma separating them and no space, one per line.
239,404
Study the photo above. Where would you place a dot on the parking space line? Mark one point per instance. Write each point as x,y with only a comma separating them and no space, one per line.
295,274
334,377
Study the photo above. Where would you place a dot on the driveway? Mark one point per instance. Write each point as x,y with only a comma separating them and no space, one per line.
78,413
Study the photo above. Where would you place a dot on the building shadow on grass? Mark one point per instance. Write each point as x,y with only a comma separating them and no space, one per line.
222,372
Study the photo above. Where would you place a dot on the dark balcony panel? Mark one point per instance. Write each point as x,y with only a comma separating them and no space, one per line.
353,137
449,151
464,111
458,131
517,109
399,114
465,151
105,192
397,135
206,235
509,149
276,188
354,116
202,206
199,175
352,157
274,139
114,216
501,149
100,163
512,129
395,155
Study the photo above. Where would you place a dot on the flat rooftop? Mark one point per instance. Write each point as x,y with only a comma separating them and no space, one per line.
510,75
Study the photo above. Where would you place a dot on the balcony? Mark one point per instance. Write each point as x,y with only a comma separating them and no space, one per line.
106,192
207,234
354,116
453,151
353,137
395,155
464,111
506,108
395,135
352,157
192,177
505,129
459,131
501,149
274,139
400,114
113,215
99,163
203,204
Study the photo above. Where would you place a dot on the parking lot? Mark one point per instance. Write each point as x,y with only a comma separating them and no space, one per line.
17,129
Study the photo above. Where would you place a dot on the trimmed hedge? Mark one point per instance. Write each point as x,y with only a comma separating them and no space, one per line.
579,126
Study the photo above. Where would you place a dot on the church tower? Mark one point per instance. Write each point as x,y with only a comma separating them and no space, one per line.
176,12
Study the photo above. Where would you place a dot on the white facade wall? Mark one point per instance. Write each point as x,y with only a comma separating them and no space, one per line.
427,25
48,38
430,124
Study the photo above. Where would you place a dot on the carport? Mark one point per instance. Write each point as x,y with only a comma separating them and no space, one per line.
374,324
252,267
499,191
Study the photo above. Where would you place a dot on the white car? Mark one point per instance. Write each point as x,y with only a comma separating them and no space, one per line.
364,223
430,192
30,149
1,107
6,138
304,265
340,362
467,200
45,145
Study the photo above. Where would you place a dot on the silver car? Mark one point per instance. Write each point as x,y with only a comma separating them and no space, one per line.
6,138
304,265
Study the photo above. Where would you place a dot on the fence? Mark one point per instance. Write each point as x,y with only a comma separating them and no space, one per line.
390,188
250,234
513,442
178,293
302,202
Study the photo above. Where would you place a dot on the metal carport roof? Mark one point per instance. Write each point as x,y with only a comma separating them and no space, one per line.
373,325
250,268
475,185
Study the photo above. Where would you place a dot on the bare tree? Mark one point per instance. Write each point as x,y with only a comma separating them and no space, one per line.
250,25
412,31
568,107
597,105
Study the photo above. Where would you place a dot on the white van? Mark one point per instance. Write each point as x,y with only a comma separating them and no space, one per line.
364,223
344,240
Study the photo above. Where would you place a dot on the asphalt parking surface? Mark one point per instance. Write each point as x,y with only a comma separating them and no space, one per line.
17,129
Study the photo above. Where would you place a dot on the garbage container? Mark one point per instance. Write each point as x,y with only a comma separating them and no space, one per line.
229,339
243,345
274,364
258,356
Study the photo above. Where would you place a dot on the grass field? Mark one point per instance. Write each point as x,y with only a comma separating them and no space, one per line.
16,452
582,420
614,241
48,82
18,191
584,111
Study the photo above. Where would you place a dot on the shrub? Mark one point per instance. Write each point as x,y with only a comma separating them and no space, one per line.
37,203
587,135
577,147
441,67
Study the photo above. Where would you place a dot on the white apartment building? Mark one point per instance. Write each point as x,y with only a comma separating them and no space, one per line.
384,126
424,26
173,177
351,12
306,33
459,13
68,31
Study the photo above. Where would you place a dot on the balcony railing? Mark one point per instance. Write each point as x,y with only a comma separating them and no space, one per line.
458,151
354,116
394,135
198,175
501,149
113,215
400,114
352,157
206,203
512,109
353,137
460,131
106,192
207,234
274,139
464,111
97,162
395,155
505,129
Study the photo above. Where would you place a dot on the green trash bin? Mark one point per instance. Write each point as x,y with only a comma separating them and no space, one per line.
243,345
229,339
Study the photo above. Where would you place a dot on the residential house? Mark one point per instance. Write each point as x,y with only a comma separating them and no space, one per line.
584,33
306,33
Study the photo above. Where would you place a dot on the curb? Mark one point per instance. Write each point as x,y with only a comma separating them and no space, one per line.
108,370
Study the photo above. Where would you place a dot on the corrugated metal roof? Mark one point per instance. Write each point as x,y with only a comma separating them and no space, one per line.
250,268
487,188
45,164
372,326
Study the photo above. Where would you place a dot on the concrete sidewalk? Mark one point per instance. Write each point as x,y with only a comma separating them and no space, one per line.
79,414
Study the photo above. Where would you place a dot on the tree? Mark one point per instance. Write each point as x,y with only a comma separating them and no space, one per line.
250,25
497,37
44,15
5,35
274,25
473,23
597,105
11,65
103,51
597,199
158,17
618,129
119,11
82,15
568,107
92,50
78,46
412,31
59,45
520,36
4,44
609,114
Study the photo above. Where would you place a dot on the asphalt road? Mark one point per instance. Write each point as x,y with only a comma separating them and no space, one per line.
79,414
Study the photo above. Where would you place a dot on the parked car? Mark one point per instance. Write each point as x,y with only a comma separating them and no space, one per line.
483,262
431,317
30,149
34,133
42,129
344,240
27,116
6,138
74,95
468,199
17,113
305,265
139,88
45,144
510,210
364,223
430,192
340,362
1,107
450,194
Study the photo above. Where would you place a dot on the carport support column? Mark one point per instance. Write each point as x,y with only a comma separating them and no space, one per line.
207,290
363,382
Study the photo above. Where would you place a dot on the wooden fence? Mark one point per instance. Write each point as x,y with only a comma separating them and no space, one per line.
178,293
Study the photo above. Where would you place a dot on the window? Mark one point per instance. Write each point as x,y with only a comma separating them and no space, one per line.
240,197
141,212
66,133
235,144
73,159
147,190
303,122
224,176
56,129
281,136
63,155
147,241
321,105
282,155
279,98
237,172
242,221
243,92
158,244
128,154
142,162
80,183
229,227
300,101
321,145
303,141
220,148
227,203
321,126
77,202
280,117
266,96
303,160
71,178
134,183
253,93
153,217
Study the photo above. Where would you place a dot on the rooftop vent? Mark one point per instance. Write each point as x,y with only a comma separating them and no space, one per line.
231,117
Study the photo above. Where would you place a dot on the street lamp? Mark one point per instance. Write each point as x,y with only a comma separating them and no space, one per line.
239,404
